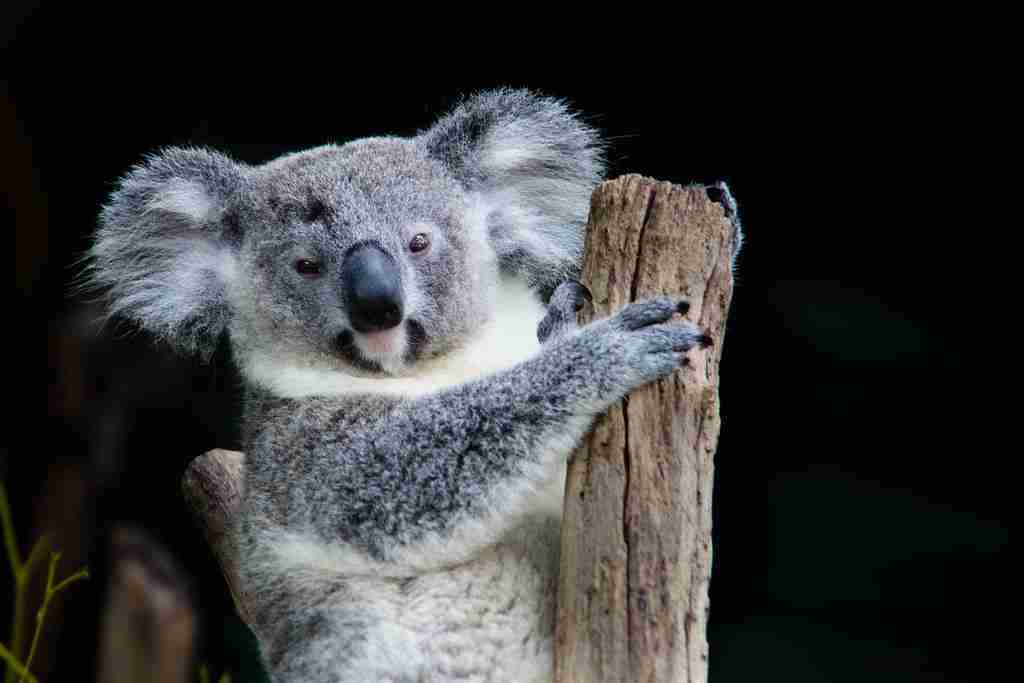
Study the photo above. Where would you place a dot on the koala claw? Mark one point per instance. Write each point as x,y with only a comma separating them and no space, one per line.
567,300
648,312
649,340
581,293
571,295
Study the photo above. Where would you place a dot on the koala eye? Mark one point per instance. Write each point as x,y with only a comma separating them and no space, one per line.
307,268
419,243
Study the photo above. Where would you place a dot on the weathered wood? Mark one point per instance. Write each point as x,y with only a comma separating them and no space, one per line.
213,488
149,622
636,537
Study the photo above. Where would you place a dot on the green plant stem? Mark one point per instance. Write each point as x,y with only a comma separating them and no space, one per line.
51,591
21,572
41,614
17,631
8,526
35,556
21,602
14,665
11,545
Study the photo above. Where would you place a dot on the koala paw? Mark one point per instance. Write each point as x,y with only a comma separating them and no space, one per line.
644,343
568,299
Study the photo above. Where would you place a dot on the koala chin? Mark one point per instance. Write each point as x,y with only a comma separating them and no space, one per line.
402,311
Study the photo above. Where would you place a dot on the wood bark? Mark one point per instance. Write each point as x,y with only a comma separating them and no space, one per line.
213,487
636,544
636,536
149,620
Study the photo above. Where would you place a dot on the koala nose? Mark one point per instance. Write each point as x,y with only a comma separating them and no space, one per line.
373,289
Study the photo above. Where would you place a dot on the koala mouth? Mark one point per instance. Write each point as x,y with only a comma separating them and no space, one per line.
346,343
384,343
383,352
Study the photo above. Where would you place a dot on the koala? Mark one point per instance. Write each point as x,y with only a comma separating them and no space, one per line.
403,314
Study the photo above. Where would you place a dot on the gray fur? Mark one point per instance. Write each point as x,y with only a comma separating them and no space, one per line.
561,318
549,188
395,534
162,244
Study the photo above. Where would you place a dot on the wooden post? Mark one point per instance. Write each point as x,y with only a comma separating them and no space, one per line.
636,537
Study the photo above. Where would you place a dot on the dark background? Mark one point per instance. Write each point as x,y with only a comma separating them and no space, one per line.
860,533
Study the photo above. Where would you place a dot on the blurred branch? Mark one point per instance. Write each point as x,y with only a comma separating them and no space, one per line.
149,623
212,486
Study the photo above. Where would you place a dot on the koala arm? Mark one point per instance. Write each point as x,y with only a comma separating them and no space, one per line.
420,483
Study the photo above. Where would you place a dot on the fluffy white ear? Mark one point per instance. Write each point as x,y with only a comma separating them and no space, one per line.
534,165
163,254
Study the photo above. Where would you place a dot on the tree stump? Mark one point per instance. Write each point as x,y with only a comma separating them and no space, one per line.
636,536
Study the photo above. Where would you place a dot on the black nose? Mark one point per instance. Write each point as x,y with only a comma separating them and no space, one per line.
373,289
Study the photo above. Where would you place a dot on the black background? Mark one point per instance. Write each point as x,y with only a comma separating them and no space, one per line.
860,533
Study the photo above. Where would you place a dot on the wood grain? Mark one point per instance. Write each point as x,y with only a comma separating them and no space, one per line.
636,536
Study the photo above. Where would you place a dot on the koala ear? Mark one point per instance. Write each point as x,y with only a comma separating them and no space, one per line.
163,255
534,165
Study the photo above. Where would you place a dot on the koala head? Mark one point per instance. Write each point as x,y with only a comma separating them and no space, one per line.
368,257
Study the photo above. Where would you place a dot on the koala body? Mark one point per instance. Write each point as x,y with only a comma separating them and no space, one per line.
406,429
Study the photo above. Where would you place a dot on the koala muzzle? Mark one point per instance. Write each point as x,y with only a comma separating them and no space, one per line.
373,289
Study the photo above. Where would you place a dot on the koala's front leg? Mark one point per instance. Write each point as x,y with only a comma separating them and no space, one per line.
568,299
442,476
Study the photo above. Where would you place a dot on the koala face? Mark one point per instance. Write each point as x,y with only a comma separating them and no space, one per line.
368,258
368,255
